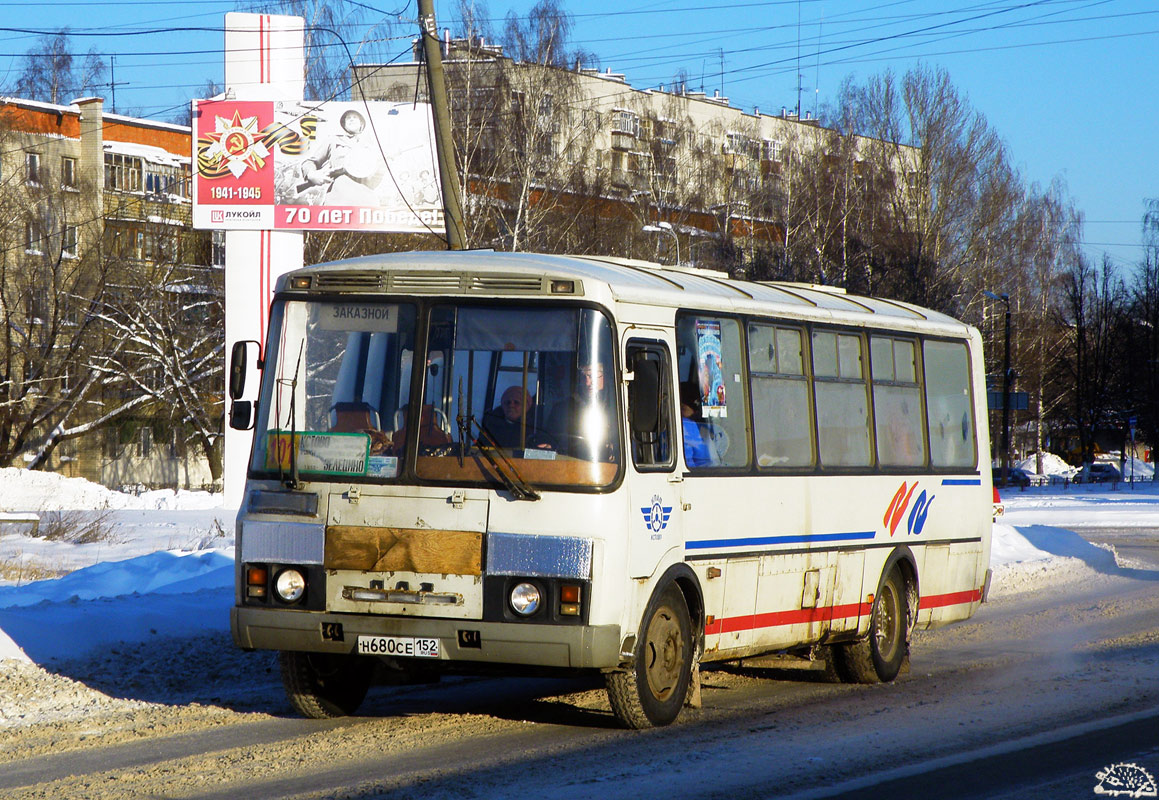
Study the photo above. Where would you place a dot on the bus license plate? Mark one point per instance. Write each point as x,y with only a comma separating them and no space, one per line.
409,646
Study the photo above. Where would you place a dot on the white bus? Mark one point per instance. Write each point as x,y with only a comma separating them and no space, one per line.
512,462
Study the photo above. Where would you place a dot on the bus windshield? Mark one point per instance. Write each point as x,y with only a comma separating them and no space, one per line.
338,378
534,384
508,393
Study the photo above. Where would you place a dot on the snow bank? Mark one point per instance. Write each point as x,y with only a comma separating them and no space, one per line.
1007,547
33,490
159,594
170,572
1051,465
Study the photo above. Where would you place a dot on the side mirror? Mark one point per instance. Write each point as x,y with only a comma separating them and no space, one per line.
644,396
241,415
238,365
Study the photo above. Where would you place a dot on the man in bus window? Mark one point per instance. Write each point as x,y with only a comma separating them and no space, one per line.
582,424
505,423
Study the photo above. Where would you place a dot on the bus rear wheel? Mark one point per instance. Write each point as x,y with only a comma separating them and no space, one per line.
653,691
325,685
879,657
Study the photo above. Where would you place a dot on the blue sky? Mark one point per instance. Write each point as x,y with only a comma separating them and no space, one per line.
1068,84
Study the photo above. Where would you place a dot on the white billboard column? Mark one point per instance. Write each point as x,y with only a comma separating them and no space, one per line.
253,262
264,60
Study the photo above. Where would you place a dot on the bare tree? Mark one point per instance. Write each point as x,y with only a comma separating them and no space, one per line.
51,73
1093,311
1142,357
54,280
947,168
170,317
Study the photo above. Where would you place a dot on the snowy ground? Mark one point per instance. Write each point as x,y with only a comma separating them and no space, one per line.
161,566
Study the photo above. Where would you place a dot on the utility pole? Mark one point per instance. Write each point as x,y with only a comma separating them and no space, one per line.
1006,376
444,145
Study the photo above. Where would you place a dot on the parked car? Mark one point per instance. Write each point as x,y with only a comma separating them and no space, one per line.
1014,477
1098,472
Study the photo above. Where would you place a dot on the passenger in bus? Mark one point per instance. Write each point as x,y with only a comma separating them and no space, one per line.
696,451
512,419
359,417
581,425
431,431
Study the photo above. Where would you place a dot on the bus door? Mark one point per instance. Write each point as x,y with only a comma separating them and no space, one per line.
654,486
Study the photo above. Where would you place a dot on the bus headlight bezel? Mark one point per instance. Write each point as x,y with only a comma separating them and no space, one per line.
525,599
290,585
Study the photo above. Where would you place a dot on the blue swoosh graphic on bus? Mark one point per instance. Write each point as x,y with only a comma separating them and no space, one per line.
803,538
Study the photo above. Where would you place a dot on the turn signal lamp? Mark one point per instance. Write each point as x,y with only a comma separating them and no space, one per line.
569,600
302,282
255,580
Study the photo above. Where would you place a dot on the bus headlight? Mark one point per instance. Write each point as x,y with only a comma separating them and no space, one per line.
290,585
525,599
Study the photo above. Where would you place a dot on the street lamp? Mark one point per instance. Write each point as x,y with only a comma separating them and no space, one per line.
1005,298
665,227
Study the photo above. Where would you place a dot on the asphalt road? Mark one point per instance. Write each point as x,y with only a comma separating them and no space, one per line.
1032,698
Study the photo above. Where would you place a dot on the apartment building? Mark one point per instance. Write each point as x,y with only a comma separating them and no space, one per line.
91,199
663,154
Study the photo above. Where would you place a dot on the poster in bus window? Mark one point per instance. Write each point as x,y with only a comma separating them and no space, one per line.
710,366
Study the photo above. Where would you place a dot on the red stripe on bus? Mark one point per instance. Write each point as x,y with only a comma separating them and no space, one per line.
797,616
951,599
804,616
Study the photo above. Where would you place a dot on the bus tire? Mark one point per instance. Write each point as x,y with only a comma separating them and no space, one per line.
879,657
325,685
653,691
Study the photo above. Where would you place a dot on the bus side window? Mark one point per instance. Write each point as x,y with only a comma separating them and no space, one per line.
951,419
839,390
710,369
897,402
782,410
650,406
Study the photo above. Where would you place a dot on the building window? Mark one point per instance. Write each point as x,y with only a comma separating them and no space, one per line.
68,172
32,167
122,172
32,237
738,144
145,442
68,241
626,122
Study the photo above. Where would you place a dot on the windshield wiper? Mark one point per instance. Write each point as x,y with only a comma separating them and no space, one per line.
502,465
294,483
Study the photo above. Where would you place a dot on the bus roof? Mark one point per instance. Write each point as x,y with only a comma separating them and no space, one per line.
442,272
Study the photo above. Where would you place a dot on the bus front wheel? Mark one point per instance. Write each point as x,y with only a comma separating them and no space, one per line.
652,692
325,685
880,656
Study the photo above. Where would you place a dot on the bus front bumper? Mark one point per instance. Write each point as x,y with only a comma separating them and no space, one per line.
565,646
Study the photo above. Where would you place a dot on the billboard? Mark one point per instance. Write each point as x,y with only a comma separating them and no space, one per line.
292,165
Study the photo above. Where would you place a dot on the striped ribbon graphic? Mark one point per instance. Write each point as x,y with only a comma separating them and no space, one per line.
285,138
